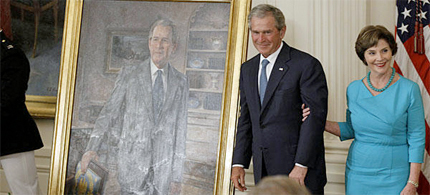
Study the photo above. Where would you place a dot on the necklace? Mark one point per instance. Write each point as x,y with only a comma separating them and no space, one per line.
386,86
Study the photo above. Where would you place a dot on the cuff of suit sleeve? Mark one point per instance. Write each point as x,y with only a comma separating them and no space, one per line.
300,165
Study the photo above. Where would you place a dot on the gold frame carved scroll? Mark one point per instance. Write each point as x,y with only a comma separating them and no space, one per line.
103,37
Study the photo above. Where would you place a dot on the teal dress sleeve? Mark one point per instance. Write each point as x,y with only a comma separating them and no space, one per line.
416,126
346,130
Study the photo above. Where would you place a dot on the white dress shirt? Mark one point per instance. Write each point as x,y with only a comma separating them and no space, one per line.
272,59
154,75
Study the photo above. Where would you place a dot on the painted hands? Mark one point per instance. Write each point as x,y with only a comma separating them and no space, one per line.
86,158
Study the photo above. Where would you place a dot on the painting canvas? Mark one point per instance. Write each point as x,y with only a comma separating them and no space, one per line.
112,119
126,47
129,47
89,182
110,111
41,40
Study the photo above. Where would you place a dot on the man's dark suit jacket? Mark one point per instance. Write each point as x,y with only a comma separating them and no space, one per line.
275,129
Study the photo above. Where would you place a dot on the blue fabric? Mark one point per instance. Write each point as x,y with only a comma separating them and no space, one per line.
388,132
263,79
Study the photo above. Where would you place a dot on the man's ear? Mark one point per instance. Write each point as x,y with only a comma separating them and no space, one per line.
174,47
283,31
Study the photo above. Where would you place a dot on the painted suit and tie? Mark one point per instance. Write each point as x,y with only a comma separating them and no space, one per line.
147,152
144,123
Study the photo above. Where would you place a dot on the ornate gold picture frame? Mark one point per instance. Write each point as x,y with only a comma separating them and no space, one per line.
36,28
41,106
210,53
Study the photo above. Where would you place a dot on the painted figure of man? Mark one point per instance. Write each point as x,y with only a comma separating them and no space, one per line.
143,124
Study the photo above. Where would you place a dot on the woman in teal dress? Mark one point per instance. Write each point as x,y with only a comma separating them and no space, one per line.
385,117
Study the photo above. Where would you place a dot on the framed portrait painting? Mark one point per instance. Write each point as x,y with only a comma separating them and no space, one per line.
36,27
148,96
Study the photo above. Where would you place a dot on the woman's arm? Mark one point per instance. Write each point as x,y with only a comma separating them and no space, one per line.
416,139
332,127
412,184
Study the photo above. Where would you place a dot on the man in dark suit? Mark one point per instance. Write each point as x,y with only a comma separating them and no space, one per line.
273,86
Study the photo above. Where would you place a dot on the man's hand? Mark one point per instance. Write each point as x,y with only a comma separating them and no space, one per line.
299,174
86,158
238,178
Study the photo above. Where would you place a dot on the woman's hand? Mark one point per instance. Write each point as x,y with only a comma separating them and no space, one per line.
409,189
414,175
306,112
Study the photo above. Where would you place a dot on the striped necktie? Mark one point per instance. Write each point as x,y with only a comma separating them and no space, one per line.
158,94
263,79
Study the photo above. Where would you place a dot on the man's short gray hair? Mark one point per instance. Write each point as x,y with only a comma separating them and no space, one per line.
164,22
263,10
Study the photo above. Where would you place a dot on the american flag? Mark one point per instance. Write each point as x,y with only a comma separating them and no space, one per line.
413,61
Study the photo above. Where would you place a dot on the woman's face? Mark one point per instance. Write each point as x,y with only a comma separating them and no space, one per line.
379,57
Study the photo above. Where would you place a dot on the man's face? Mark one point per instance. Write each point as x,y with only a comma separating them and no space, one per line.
265,36
161,45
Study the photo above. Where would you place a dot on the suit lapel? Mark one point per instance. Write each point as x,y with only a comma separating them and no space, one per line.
279,70
253,81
